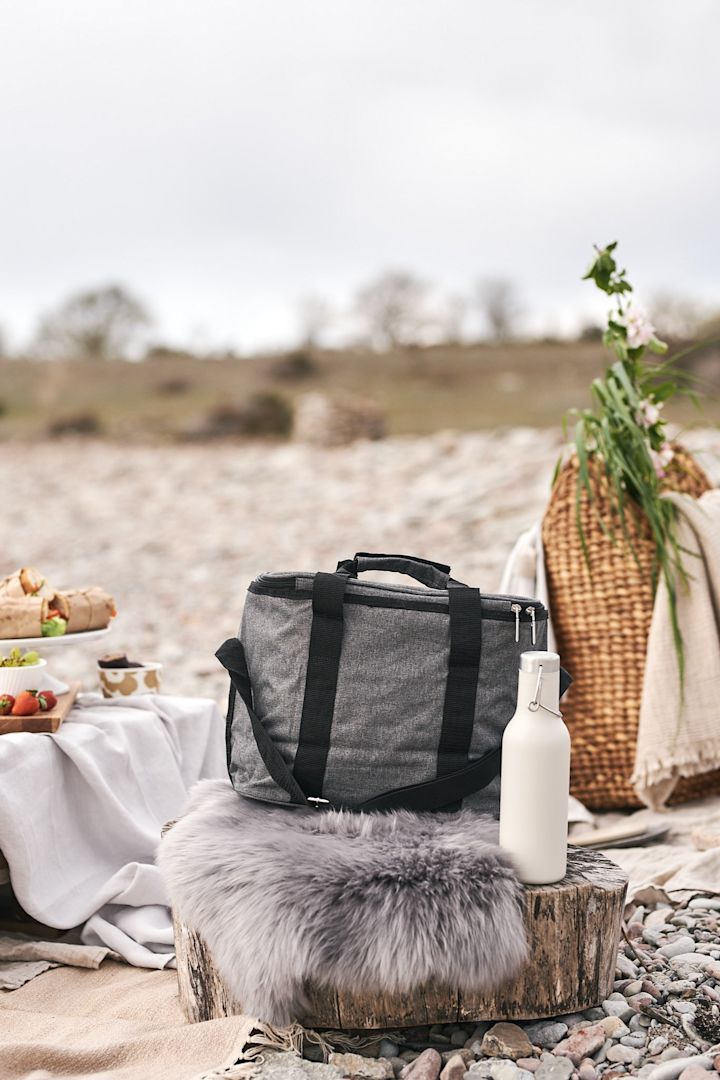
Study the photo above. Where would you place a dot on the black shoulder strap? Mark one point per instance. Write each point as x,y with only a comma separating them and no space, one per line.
443,793
231,655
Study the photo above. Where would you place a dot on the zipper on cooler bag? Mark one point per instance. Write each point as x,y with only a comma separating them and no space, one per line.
518,611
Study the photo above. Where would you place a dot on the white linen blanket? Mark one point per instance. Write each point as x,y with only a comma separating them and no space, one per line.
81,813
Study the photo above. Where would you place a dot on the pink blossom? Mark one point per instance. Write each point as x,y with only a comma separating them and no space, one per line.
640,331
661,458
649,412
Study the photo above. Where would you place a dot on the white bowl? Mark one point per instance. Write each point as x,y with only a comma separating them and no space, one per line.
128,681
13,680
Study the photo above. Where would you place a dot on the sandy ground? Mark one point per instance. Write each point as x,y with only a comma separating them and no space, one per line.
177,533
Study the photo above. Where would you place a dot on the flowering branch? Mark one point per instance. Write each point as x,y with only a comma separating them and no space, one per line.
626,429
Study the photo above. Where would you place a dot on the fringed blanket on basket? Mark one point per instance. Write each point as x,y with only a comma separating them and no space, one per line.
679,730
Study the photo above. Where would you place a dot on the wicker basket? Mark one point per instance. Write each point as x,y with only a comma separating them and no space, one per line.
601,614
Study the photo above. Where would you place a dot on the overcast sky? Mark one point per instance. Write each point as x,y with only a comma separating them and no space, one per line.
223,158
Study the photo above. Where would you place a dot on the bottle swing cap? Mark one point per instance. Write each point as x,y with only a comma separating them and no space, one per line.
533,661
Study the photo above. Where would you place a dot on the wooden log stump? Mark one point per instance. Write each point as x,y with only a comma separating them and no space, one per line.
573,929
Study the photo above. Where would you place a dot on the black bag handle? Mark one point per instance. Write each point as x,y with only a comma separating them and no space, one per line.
433,574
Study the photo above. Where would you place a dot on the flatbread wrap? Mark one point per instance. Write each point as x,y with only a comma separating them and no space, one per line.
22,618
88,609
25,582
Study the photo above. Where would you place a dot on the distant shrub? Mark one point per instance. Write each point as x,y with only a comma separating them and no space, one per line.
338,420
175,387
4,409
84,423
263,413
294,366
590,332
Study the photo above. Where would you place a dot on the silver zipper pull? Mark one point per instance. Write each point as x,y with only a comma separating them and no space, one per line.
531,612
516,609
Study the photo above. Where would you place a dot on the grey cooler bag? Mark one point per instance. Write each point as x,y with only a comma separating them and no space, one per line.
370,696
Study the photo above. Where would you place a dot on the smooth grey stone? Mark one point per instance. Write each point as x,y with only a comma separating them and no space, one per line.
626,967
624,1055
600,1055
657,1045
684,944
594,1014
618,1008
636,1039
710,903
558,1068
670,1069
279,1065
546,1033
570,1018
388,1049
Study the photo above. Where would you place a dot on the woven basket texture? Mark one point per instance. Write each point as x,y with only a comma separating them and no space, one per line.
601,611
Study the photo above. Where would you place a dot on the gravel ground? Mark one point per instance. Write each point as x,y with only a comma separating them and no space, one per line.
177,533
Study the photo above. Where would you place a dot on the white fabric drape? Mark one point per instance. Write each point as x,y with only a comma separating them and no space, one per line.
81,813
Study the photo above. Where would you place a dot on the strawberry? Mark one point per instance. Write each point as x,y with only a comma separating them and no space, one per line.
46,700
26,704
6,703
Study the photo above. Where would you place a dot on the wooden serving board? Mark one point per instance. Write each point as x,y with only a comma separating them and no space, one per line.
42,721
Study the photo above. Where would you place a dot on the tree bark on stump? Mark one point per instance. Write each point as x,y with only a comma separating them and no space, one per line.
573,930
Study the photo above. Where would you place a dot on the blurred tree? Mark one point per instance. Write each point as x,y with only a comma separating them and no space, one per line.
394,309
453,317
315,316
676,317
499,305
709,329
99,324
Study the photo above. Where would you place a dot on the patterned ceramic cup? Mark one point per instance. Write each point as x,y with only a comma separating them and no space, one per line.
126,681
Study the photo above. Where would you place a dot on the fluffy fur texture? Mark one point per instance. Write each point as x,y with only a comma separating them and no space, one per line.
358,902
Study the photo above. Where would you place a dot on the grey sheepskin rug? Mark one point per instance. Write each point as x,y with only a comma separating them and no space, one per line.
359,902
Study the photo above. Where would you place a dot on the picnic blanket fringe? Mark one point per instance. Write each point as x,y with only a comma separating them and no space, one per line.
262,1037
695,760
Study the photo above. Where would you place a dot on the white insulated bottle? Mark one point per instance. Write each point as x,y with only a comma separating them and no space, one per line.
535,779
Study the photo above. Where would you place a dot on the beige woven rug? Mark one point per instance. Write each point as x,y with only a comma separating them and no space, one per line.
116,1023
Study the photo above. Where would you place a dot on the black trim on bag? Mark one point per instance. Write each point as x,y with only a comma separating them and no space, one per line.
326,635
228,725
285,592
466,619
